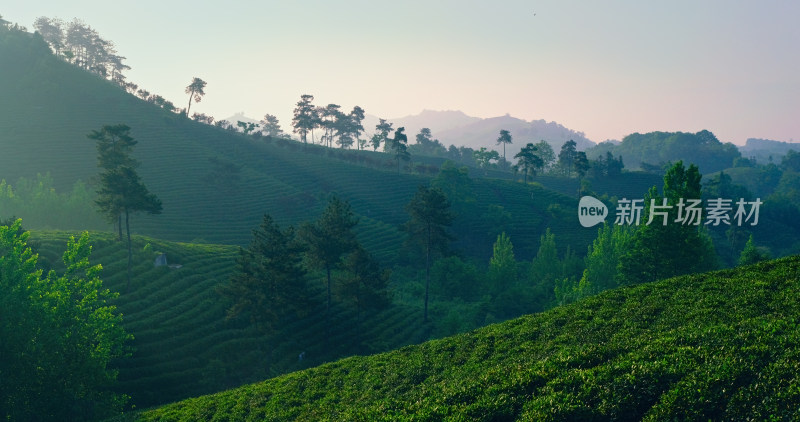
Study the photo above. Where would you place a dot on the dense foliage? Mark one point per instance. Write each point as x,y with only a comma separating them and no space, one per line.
653,150
59,333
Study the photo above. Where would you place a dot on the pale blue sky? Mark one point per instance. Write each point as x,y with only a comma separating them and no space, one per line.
607,68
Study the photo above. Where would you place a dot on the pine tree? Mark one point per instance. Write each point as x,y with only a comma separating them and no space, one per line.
602,259
751,254
269,282
121,191
502,265
329,239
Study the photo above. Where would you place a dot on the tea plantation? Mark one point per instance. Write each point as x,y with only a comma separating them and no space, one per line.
718,346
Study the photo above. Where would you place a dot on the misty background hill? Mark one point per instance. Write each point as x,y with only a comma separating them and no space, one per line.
454,127
767,150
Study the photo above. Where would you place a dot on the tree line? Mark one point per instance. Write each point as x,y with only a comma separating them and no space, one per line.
80,44
271,279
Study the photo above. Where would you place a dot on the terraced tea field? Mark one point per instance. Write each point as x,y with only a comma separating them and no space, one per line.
183,345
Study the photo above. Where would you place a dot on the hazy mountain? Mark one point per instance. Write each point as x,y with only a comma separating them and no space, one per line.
456,128
764,149
484,133
437,121
240,117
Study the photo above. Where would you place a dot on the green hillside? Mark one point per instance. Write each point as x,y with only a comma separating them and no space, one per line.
183,345
50,106
723,345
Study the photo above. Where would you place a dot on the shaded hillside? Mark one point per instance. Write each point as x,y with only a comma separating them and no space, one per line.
55,106
718,346
184,347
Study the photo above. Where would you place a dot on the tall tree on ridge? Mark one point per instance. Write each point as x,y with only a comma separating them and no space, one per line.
529,160
356,126
399,146
270,126
383,127
195,91
505,138
567,156
330,119
304,119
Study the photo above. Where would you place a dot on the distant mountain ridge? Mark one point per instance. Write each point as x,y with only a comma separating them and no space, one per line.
454,127
764,150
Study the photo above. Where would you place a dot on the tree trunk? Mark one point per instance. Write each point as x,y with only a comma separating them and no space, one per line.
130,250
328,311
328,306
190,104
119,227
427,273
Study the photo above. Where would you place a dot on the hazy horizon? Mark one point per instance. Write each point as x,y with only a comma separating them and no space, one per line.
607,70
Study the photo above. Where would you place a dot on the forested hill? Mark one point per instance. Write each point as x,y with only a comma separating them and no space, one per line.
216,184
718,346
653,150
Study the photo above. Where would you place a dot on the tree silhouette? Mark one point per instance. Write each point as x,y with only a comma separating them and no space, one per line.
195,91
269,282
121,191
305,117
529,160
330,238
399,146
505,138
383,127
270,126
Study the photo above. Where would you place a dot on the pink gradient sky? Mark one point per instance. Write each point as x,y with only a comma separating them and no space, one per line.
607,68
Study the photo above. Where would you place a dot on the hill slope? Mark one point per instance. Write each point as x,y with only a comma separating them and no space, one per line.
55,106
722,345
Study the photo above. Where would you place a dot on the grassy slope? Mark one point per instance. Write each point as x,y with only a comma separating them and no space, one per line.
183,345
723,345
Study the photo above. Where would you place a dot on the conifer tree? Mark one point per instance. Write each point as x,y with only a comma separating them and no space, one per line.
269,283
502,265
751,254
121,191
329,239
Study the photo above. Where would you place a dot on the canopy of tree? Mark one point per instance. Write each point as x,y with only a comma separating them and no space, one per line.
59,333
